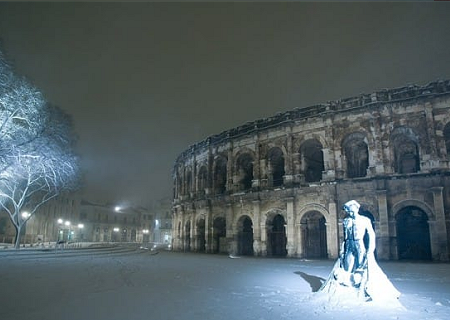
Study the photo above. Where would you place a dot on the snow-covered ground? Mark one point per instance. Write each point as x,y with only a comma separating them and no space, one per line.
133,284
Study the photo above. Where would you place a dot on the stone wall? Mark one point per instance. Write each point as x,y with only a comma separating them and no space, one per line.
275,186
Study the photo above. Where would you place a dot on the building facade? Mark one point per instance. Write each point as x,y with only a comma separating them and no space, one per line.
69,218
276,186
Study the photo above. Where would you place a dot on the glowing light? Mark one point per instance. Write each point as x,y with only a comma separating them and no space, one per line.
116,229
117,208
60,221
145,231
67,223
80,226
25,214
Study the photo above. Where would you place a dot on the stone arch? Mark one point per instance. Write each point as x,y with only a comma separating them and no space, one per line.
314,235
413,234
244,170
178,183
311,136
329,221
356,152
405,149
188,180
201,235
276,166
220,174
244,239
311,160
418,221
446,133
219,233
414,203
202,179
276,233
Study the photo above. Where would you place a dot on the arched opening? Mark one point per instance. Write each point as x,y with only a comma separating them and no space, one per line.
406,151
357,155
188,187
179,184
447,138
219,242
276,166
244,171
312,160
220,175
276,237
368,214
187,236
314,235
245,236
202,179
413,234
201,241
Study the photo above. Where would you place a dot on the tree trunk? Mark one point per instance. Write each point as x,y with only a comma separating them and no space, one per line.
17,237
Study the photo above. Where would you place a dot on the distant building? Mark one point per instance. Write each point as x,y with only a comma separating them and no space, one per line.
276,186
69,218
162,229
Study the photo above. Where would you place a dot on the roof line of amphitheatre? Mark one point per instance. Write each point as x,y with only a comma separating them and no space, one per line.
433,89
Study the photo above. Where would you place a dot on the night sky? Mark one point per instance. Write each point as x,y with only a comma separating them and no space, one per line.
143,81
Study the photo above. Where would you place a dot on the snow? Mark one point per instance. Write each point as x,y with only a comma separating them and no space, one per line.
132,284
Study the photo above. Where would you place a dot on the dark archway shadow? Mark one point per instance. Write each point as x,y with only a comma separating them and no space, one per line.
314,282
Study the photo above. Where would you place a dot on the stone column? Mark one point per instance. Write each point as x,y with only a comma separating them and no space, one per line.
290,229
332,228
231,239
288,178
263,235
230,171
256,182
192,239
328,163
382,234
439,246
256,228
431,129
208,229
182,229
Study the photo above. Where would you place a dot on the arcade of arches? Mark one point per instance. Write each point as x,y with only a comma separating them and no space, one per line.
274,187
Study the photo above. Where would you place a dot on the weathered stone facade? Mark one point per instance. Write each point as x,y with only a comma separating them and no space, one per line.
276,186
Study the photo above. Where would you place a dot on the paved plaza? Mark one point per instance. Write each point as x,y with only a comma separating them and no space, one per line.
136,283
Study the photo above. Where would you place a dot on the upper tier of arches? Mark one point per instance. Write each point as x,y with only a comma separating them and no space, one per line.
399,131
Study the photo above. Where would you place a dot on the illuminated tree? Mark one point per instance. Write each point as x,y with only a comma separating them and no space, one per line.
37,161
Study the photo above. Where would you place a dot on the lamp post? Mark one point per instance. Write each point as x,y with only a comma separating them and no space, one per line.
80,229
115,232
66,226
25,215
145,235
69,231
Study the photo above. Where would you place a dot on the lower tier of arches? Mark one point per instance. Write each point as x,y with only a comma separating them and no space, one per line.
410,223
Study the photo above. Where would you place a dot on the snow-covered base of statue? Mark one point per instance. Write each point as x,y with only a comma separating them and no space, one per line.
370,288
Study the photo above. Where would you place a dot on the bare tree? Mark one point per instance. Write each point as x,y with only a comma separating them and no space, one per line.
21,112
36,150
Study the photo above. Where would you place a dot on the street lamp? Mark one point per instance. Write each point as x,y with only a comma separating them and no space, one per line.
145,235
80,227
